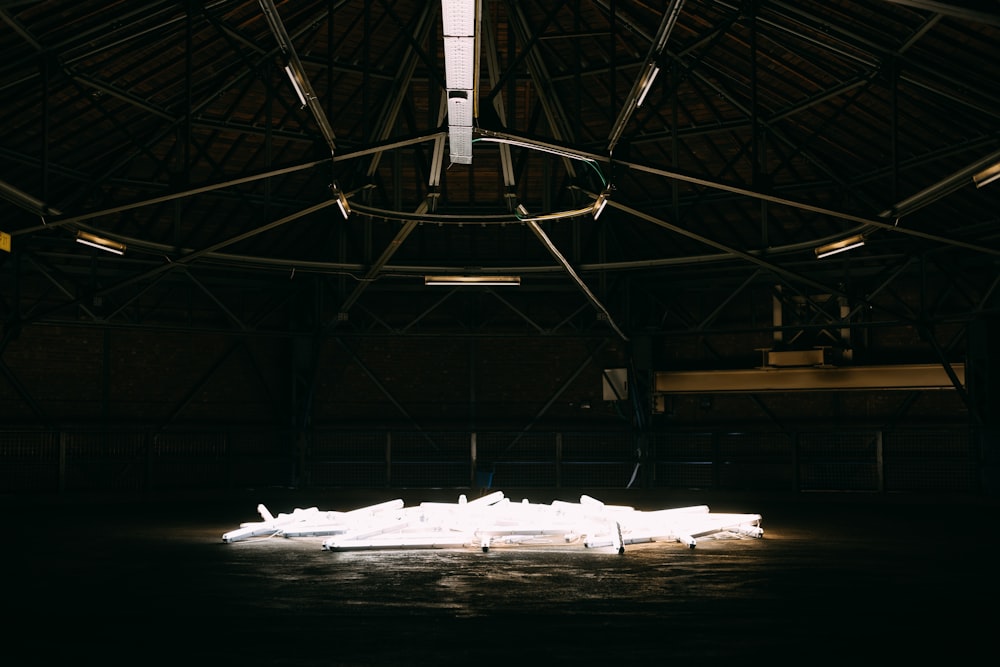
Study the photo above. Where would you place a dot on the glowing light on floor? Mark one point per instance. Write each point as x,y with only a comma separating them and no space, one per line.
493,520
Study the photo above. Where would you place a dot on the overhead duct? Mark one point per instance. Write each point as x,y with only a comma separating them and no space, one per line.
460,27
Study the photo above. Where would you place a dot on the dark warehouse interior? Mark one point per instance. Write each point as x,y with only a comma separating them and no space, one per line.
326,253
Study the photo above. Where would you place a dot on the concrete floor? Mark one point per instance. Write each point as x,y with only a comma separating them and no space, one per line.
863,578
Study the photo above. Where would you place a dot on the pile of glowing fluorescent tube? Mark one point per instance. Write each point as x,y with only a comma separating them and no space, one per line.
494,521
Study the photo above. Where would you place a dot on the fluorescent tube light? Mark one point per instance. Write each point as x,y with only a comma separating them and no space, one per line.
648,84
100,243
342,203
472,280
602,201
296,86
840,246
987,175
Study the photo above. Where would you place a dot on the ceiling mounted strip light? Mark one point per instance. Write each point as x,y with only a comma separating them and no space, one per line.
297,73
987,176
837,247
650,68
476,279
101,243
460,26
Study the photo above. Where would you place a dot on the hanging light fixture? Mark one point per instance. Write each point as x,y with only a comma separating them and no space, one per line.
101,243
987,175
843,245
652,69
601,202
342,203
296,86
473,280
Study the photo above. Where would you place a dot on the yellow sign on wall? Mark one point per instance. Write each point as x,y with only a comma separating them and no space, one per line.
5,241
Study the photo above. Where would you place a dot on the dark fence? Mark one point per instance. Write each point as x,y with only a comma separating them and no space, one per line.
946,460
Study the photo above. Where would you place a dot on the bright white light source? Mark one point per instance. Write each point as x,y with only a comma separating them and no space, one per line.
295,85
345,208
472,280
602,201
648,83
342,203
494,521
840,246
101,243
987,175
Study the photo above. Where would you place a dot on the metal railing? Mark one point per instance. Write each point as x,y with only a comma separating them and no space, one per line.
922,460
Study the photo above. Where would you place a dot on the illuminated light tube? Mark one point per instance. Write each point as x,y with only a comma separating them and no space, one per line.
342,203
295,85
494,520
472,280
648,84
844,245
987,176
100,243
602,201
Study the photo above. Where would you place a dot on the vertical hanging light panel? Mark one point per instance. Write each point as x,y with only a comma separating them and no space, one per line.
460,23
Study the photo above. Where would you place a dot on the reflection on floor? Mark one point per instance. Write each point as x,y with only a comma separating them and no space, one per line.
860,578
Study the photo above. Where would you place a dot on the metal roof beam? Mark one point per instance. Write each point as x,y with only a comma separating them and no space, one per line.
647,74
298,73
950,9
